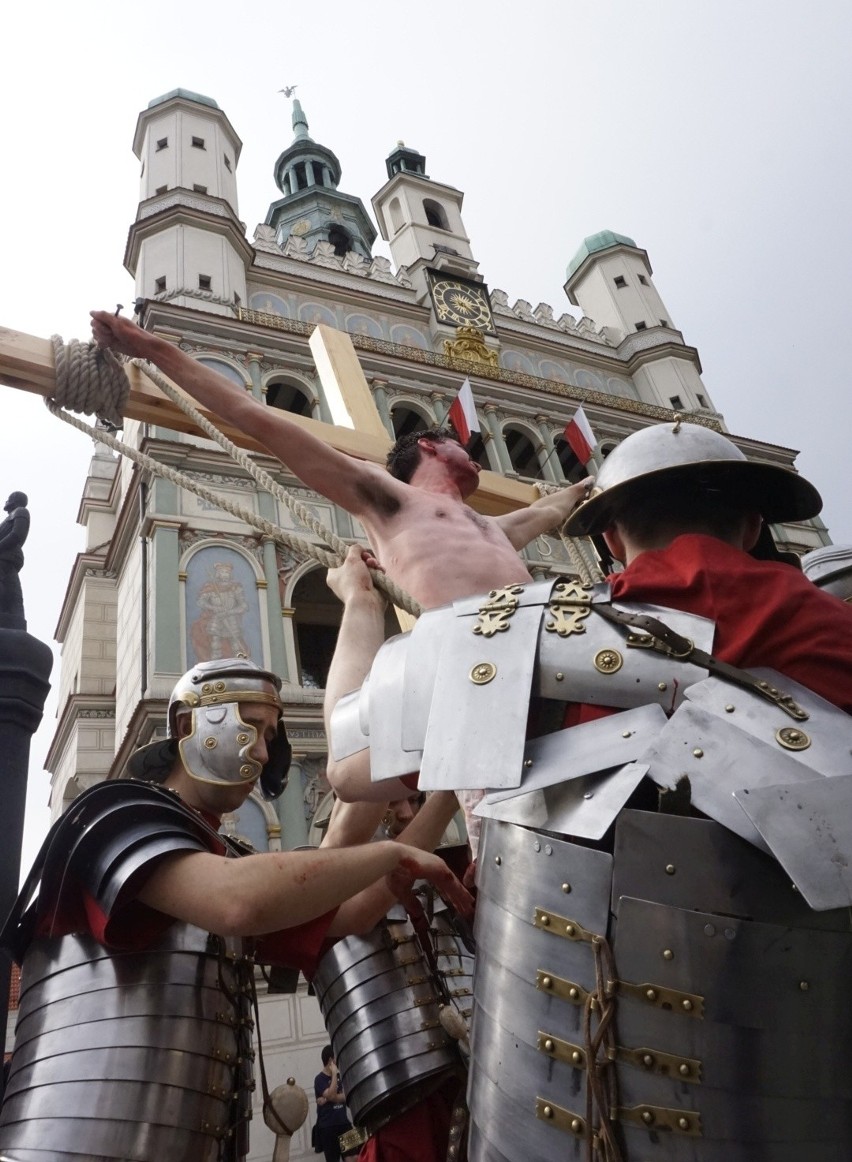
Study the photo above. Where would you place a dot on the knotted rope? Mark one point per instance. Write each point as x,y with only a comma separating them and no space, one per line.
91,379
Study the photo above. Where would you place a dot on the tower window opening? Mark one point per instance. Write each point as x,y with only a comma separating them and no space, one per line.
620,281
317,171
476,450
641,326
340,240
664,322
676,402
198,143
199,189
702,402
642,279
227,163
160,285
301,177
205,282
160,189
163,143
435,214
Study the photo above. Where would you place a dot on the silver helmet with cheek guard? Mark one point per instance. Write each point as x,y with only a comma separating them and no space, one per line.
217,748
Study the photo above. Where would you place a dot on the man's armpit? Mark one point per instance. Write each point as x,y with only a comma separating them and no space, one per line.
378,497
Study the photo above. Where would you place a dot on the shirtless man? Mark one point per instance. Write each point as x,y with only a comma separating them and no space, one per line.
427,538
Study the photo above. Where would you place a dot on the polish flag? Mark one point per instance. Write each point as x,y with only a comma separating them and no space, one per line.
463,413
580,437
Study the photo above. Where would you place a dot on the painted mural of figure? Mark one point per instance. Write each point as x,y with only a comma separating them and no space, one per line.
218,630
13,533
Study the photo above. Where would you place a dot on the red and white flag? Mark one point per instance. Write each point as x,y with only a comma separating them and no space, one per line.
463,413
580,437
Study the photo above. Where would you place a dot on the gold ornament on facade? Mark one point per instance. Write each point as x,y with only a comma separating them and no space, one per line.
469,347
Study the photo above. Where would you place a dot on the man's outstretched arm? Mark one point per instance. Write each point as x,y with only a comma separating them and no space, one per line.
362,632
342,479
543,515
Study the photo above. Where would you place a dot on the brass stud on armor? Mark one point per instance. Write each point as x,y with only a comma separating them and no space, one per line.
668,954
528,763
804,985
560,677
546,982
566,888
573,993
608,661
683,1069
686,1005
683,1123
792,739
206,688
482,673
647,1117
498,860
662,686
548,850
729,709
626,733
243,738
549,1045
577,1057
210,743
648,1060
698,753
218,687
246,771
545,921
670,869
570,929
576,1125
548,1111
651,994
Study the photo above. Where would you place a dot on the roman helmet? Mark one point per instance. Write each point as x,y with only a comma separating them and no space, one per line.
831,569
216,749
670,454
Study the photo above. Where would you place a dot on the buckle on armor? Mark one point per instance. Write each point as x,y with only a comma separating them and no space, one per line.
495,613
569,606
357,1136
641,641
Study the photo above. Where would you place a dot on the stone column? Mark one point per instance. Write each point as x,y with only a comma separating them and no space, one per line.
25,665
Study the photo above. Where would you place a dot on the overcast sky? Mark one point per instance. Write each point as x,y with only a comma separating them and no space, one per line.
714,134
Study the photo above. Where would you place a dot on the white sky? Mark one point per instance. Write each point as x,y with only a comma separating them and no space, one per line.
714,133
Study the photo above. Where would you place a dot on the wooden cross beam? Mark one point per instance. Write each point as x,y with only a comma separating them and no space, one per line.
26,362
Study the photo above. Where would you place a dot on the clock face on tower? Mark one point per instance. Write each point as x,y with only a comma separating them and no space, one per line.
461,303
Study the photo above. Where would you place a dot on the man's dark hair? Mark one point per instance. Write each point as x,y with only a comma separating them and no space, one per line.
404,456
327,1055
679,505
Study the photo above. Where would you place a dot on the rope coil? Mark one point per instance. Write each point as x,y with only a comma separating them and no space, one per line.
91,379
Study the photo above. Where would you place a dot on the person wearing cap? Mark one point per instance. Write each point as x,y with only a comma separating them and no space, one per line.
133,1039
662,928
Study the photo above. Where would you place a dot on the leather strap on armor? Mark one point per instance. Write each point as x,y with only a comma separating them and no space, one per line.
665,641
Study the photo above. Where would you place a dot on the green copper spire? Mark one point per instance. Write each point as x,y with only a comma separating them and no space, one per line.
300,122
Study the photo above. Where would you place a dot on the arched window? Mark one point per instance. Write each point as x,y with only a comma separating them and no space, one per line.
522,453
395,210
435,214
289,398
316,622
340,240
476,450
406,419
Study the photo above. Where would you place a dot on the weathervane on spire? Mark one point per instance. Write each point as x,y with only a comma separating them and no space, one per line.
288,90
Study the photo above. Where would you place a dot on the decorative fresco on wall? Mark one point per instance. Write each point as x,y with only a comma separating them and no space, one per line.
222,607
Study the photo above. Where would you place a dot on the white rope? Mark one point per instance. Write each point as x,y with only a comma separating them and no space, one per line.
90,379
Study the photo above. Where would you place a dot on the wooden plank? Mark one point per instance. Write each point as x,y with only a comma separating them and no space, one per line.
26,363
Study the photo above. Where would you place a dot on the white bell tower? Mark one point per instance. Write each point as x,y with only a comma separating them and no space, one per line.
187,243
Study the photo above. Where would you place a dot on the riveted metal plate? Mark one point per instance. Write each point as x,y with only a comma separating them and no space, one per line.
583,807
571,1052
808,828
462,711
587,749
828,728
566,1120
650,992
718,759
698,864
673,1121
682,1069
568,670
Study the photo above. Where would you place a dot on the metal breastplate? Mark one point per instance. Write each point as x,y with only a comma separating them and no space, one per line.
137,1056
381,1004
728,1028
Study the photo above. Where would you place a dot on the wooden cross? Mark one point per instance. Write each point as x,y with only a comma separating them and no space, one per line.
26,362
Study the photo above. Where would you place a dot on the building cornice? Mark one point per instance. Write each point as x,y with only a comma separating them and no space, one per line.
182,207
78,707
85,565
